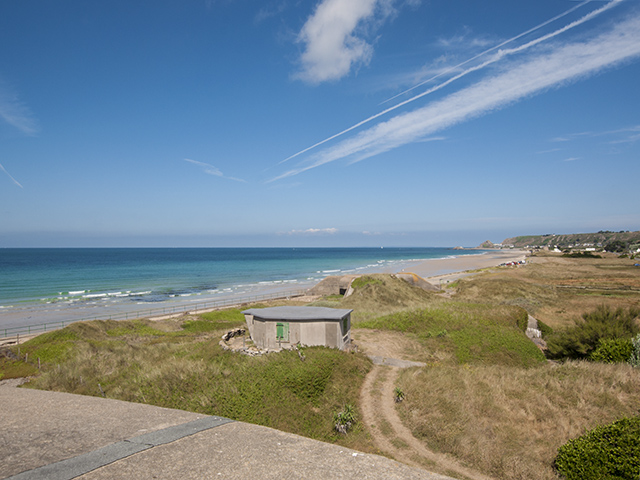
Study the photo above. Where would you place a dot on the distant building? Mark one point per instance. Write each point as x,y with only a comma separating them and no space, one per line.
283,327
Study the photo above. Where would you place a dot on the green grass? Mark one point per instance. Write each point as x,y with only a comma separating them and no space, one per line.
471,333
366,280
216,320
182,366
16,369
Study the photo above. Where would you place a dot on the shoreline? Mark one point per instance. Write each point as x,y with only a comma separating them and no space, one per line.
438,269
435,271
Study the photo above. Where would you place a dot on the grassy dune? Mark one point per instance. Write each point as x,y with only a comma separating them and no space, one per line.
487,395
509,422
179,364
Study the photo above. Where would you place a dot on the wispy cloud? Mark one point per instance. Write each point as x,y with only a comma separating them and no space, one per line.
500,55
623,135
571,159
557,66
628,135
314,231
334,37
15,112
211,170
9,175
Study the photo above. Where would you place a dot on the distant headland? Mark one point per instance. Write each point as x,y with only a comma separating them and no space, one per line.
620,242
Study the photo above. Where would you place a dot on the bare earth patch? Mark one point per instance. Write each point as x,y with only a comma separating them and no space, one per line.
378,406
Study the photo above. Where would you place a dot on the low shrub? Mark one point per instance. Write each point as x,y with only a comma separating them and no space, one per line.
604,323
606,452
581,255
344,419
612,351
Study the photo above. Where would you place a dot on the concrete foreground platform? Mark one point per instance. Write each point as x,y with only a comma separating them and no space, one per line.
60,436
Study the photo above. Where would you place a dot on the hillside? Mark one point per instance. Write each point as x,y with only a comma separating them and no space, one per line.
598,239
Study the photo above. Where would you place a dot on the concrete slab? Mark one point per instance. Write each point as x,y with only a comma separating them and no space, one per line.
60,436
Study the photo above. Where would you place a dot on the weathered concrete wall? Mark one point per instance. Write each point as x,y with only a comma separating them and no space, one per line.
329,333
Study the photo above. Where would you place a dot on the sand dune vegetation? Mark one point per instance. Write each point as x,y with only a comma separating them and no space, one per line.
487,397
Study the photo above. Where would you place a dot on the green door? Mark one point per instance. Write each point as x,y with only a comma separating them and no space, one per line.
282,332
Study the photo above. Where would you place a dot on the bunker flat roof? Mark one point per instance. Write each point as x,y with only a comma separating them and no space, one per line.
298,313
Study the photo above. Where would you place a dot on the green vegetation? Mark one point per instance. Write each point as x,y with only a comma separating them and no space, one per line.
179,364
466,333
216,320
13,368
345,419
565,240
382,295
366,280
486,397
616,246
612,351
398,394
606,452
509,422
581,255
585,336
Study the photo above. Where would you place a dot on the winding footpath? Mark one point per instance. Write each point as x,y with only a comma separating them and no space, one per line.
381,418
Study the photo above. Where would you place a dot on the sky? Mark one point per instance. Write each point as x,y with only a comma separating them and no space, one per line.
221,123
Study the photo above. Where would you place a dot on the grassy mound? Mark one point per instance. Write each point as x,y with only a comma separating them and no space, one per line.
179,364
509,422
462,333
376,295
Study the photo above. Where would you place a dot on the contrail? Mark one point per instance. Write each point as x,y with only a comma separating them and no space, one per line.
12,179
499,56
537,27
562,64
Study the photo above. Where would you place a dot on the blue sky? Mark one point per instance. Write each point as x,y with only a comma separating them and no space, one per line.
316,123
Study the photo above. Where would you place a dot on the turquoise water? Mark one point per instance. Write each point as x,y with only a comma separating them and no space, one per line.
36,283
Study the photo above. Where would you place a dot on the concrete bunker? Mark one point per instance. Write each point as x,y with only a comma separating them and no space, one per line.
283,327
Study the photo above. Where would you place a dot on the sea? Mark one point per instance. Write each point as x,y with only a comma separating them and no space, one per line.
39,285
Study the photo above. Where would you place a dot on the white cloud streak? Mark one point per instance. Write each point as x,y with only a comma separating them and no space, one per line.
211,170
314,231
331,46
558,66
15,113
501,54
9,175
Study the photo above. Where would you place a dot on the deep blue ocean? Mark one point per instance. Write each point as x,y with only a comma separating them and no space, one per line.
33,280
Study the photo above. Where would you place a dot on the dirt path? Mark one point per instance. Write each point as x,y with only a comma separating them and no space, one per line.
381,418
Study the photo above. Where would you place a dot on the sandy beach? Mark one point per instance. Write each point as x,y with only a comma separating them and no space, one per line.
449,269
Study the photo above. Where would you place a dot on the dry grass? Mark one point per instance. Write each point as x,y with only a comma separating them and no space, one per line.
509,422
387,295
555,289
179,364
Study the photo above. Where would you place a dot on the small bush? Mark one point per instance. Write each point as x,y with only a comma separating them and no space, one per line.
612,351
344,419
607,452
582,339
581,255
398,394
